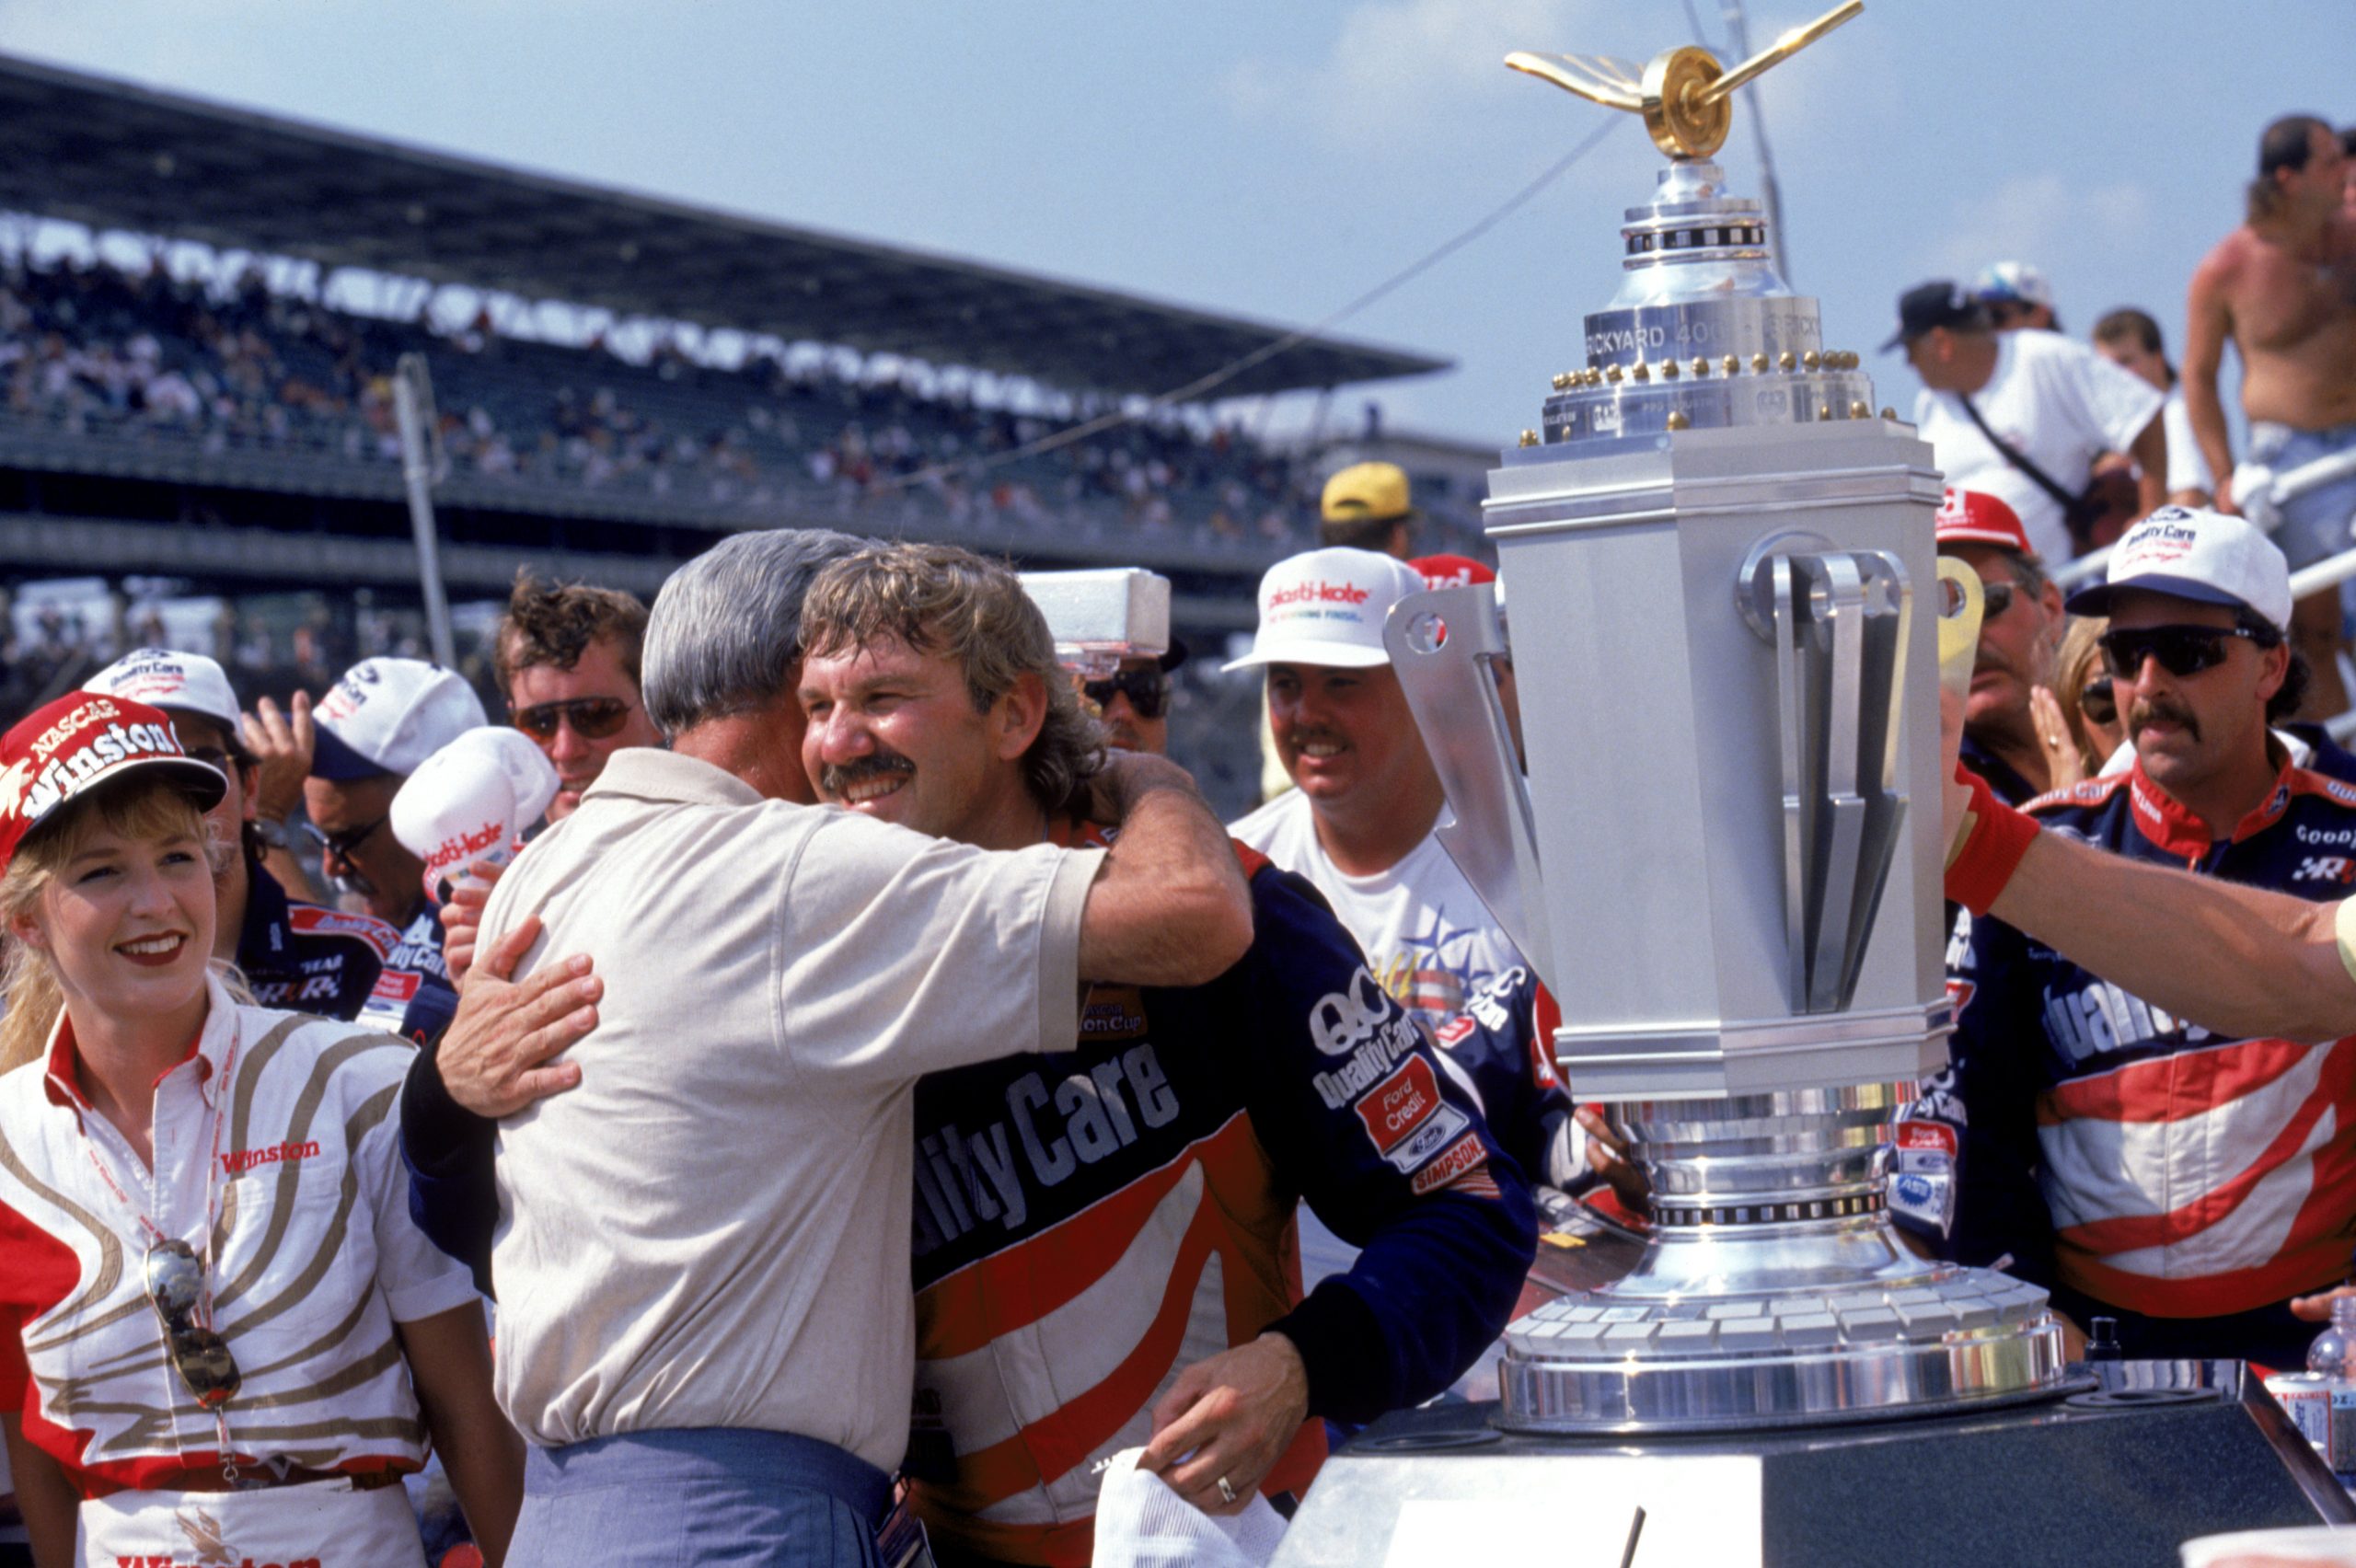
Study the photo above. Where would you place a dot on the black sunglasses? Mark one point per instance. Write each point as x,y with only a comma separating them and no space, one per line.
591,718
175,1284
341,844
2098,701
1147,689
1995,598
2181,650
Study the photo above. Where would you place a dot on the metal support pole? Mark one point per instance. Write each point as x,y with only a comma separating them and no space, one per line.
421,452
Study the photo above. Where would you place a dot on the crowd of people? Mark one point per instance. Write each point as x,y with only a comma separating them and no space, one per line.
171,363
874,1091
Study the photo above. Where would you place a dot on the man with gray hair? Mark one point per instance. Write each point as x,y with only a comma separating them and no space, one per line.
701,1251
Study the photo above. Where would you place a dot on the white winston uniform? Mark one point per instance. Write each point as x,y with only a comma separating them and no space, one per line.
2055,401
1428,938
314,1260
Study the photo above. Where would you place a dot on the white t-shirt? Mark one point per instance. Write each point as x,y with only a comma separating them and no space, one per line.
1428,938
713,1230
2188,469
2055,401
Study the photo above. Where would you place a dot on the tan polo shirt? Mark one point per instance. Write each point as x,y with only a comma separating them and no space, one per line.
713,1230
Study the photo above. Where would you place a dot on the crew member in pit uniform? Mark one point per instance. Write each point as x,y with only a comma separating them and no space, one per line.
2187,1184
384,717
292,954
1103,1239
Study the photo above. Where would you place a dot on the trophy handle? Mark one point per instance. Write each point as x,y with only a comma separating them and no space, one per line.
1441,642
1838,622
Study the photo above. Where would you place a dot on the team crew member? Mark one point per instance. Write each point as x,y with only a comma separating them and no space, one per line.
1359,825
721,1294
384,717
567,657
1095,1222
2187,1182
1135,701
292,954
221,1336
2020,632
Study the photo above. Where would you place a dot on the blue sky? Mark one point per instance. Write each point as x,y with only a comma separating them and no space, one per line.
1277,159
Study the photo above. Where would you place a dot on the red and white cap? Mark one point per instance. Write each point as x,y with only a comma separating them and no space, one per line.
1451,570
467,801
388,716
59,753
2193,553
1327,607
1978,517
176,682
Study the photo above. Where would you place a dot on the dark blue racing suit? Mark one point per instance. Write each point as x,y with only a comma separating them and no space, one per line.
2144,1167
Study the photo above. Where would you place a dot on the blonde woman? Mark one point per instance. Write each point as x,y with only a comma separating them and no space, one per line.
221,1338
2078,719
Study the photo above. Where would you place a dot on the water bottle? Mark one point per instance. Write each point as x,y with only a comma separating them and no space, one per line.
2328,1354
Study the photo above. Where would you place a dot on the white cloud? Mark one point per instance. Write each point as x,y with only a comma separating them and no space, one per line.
1397,68
2031,218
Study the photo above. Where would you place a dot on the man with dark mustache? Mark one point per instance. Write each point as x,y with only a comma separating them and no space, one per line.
2020,629
1104,1235
2186,1183
1359,822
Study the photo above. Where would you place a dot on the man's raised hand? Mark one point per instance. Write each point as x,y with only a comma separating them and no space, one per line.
495,1060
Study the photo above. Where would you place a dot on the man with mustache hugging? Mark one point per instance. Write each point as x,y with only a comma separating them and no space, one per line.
2184,1182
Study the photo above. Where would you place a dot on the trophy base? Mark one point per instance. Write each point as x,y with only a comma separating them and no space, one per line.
1936,1340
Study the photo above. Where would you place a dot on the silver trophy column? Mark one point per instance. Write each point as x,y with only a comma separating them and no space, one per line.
1725,858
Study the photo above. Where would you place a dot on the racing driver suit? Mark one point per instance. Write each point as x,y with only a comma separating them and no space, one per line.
347,966
2139,1166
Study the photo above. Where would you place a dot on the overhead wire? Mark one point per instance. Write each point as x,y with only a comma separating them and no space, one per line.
1270,349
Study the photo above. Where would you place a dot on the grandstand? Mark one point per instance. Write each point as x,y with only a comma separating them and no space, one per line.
216,414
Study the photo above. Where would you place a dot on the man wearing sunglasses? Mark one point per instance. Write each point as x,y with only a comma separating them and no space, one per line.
384,717
1135,701
2020,629
2187,1182
567,658
293,954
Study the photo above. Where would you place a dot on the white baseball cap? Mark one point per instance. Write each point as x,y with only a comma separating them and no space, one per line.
388,716
173,681
2194,553
1327,607
468,800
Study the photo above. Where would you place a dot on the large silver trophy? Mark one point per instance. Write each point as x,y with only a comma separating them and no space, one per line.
1725,856
1722,856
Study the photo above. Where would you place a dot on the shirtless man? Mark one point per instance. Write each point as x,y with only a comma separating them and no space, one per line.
2282,288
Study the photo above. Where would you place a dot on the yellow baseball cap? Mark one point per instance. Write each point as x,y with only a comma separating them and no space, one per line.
1367,492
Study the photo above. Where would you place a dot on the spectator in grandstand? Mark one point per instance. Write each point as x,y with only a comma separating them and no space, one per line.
292,954
2097,1159
2017,295
383,718
567,658
828,963
1360,824
2031,407
312,1341
2131,340
1133,701
2277,288
2020,629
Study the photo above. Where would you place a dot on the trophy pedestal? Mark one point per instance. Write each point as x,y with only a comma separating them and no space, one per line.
2089,1476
